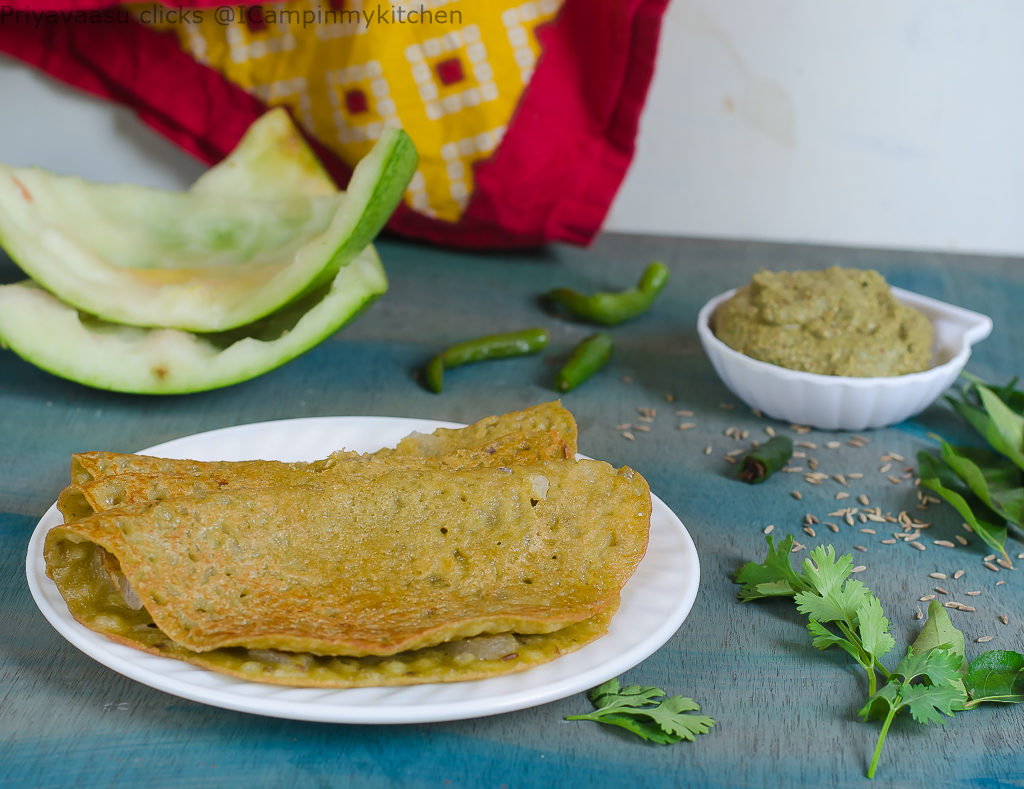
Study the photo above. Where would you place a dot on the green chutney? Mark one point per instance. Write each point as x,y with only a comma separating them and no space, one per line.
838,321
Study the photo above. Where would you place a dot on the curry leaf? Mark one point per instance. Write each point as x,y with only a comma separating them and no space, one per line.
996,676
994,481
937,476
1009,424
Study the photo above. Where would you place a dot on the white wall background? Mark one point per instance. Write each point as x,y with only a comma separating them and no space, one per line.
881,123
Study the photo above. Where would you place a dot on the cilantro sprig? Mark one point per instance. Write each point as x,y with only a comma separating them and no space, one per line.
644,711
932,682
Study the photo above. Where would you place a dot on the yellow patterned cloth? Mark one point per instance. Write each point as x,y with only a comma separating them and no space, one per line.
449,72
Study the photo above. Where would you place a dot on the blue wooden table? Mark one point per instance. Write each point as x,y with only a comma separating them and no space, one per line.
785,712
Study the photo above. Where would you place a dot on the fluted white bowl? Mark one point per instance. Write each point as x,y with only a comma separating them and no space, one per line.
836,402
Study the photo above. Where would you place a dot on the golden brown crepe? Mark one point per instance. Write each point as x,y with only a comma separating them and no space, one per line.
460,555
532,424
404,561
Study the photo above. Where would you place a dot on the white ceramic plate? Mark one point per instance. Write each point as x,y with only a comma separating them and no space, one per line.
655,602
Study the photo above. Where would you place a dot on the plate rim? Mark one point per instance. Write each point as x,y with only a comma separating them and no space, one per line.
106,652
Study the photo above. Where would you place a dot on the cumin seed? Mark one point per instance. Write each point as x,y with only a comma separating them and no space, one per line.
842,495
684,413
888,542
707,450
796,495
926,598
991,566
871,531
944,543
917,545
937,576
833,444
810,531
861,548
863,499
855,475
770,431
769,528
940,590
859,568
973,594
962,540
885,468
629,436
984,639
958,575
686,426
805,444
1004,618
833,527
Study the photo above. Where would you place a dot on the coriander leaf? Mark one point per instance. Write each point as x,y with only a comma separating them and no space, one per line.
874,628
774,577
937,476
928,703
881,703
831,600
1008,394
610,696
997,675
633,708
644,729
825,638
939,631
669,716
939,665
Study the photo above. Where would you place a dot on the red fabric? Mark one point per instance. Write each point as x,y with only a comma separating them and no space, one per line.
553,177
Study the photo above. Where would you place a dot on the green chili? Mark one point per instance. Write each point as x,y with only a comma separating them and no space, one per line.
764,461
589,356
609,309
496,346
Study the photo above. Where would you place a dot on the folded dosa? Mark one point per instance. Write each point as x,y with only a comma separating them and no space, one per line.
405,561
548,421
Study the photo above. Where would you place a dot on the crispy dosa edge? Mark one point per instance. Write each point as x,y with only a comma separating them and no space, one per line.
89,466
82,499
106,530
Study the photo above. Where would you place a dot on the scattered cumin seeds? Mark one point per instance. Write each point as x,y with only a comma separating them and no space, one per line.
684,413
849,519
989,558
862,439
919,615
1004,563
940,590
863,499
796,495
984,639
799,454
894,480
973,594
872,531
840,479
991,566
917,545
810,531
756,412
707,450
885,468
792,469
734,452
669,398
686,425
937,576
1000,583
642,428
769,528
894,456
797,547
729,459
958,575
770,430
944,543
842,495
650,413
1020,555
629,436
729,431
967,528
861,548
888,542
862,518
833,444
1004,619
833,527
926,598
961,539
622,427
814,467
626,379
726,406
859,569
855,475
805,444
857,444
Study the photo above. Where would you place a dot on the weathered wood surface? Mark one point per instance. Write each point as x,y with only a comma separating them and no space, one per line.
785,712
